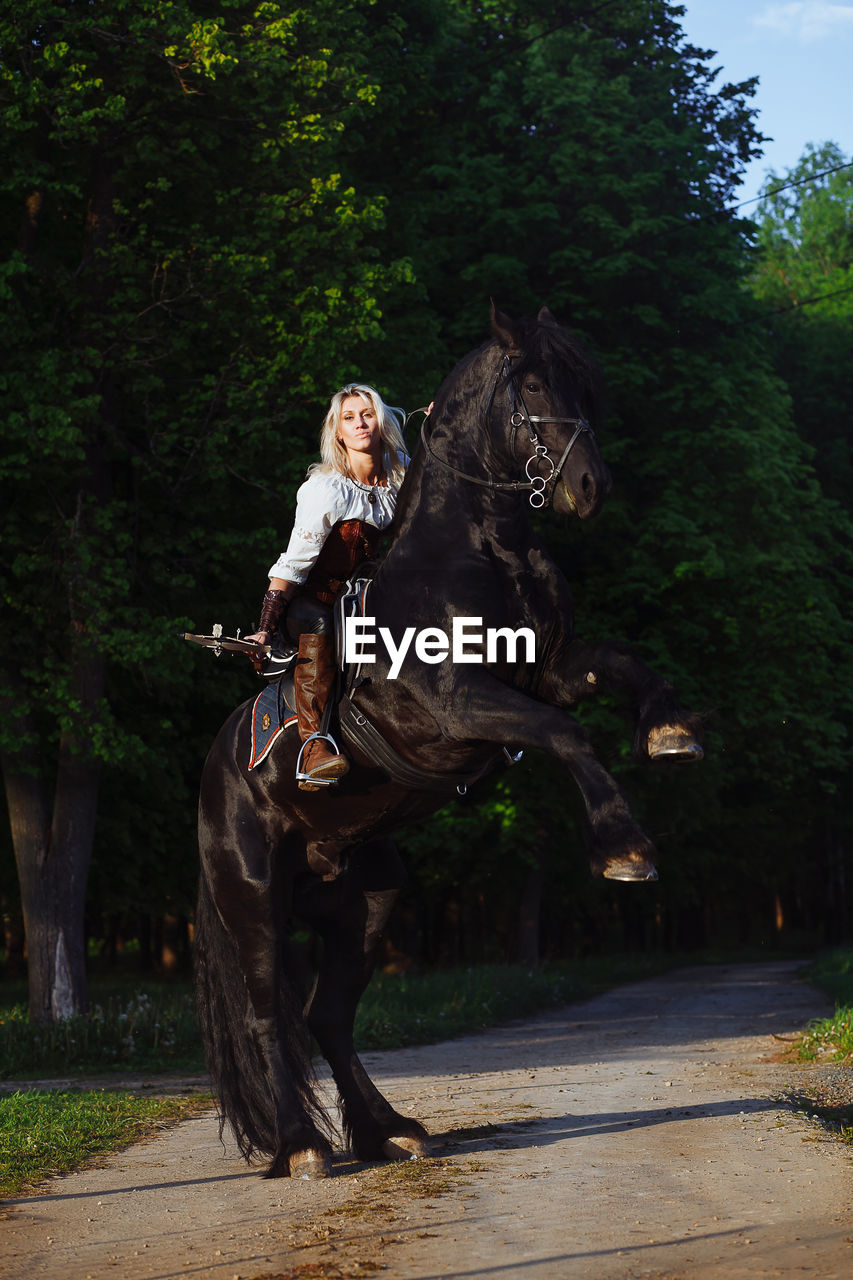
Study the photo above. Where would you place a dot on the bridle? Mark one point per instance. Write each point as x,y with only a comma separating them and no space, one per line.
536,484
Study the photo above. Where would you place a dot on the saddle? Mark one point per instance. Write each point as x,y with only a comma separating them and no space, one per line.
274,710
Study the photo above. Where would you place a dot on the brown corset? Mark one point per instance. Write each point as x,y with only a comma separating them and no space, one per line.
349,542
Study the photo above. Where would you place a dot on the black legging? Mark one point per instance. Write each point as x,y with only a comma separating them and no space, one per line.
307,614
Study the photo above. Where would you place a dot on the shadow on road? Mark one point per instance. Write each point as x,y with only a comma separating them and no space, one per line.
538,1133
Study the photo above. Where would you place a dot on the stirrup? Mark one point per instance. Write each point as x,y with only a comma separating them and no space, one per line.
307,777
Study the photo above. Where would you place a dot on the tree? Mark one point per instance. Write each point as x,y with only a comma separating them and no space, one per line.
180,251
803,277
583,156
214,214
803,281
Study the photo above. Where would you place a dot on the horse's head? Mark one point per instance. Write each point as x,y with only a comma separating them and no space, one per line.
543,398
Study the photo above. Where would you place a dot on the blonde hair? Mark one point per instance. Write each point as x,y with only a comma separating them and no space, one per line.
391,421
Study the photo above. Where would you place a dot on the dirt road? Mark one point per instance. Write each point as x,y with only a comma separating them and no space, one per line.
646,1133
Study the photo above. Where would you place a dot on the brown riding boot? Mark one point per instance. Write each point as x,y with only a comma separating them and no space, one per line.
313,677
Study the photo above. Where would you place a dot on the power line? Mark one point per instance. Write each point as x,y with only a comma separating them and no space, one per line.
794,306
562,25
715,213
812,177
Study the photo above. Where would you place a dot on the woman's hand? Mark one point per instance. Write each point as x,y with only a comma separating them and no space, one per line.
259,637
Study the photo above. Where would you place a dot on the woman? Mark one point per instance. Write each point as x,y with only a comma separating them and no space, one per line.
347,500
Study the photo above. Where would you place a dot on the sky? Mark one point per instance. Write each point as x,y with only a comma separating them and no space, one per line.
803,55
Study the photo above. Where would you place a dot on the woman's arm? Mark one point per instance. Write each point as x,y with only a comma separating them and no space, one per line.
288,588
317,504
280,593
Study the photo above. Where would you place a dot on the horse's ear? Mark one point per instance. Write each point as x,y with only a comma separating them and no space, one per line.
545,317
507,332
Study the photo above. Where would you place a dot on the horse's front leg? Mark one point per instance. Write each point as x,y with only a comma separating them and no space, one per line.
487,709
350,915
663,729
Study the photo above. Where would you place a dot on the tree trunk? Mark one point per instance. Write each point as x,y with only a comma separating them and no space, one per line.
53,851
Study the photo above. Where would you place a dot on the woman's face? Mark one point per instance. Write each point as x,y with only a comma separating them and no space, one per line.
359,427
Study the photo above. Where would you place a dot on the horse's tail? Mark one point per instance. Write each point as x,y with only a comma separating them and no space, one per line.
234,1060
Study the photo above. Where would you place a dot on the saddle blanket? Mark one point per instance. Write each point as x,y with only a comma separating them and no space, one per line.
271,714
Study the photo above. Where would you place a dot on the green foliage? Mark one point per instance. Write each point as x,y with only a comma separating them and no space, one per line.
46,1133
428,1007
805,234
803,278
833,973
157,1031
185,275
582,160
562,156
143,1032
211,220
831,1039
828,1039
188,276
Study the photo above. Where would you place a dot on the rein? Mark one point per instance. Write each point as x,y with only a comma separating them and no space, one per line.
535,484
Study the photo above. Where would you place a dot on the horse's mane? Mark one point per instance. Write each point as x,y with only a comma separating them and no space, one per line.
543,342
548,343
540,342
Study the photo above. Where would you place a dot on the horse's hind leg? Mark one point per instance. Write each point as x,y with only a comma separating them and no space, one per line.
664,730
350,915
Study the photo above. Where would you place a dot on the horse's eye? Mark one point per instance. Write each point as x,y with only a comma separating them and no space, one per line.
534,388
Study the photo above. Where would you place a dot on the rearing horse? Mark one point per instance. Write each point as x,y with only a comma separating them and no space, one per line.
509,430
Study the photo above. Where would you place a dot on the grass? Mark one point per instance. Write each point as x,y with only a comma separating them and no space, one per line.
833,973
49,1132
831,1039
155,1031
828,1039
44,1133
828,1097
427,1007
141,1032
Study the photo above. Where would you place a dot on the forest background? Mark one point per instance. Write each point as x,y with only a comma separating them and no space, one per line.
213,215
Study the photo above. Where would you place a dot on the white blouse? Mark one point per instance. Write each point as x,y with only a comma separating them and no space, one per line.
322,501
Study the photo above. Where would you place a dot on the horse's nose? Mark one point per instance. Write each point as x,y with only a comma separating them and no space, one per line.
596,488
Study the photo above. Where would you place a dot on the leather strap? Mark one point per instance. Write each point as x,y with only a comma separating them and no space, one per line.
360,733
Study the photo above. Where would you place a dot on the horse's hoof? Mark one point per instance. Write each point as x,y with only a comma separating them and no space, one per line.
629,869
310,1165
405,1148
672,742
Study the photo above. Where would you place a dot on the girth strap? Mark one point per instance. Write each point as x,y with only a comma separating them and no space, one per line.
358,732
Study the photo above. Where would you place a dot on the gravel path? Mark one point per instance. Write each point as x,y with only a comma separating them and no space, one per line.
650,1132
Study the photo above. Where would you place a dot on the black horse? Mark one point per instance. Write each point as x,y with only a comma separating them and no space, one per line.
509,430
